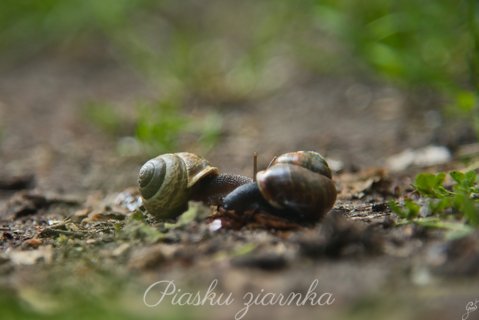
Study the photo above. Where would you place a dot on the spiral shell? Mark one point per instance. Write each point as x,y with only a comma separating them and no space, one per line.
166,181
299,181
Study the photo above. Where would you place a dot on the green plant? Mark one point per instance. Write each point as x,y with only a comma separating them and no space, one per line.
104,116
30,26
159,125
209,51
162,127
212,53
414,45
205,50
454,207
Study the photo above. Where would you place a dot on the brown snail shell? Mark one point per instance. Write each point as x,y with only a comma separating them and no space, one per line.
296,184
299,181
290,187
166,182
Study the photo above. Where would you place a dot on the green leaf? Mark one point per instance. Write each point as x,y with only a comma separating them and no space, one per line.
470,179
455,229
428,184
457,176
409,211
160,125
469,209
438,206
393,205
412,209
466,101
104,116
458,204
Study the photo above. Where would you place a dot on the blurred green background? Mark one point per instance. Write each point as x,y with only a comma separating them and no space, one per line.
223,52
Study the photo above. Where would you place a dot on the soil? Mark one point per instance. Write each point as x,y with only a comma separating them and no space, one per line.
68,200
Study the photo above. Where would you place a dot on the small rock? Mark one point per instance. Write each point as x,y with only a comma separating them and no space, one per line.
147,258
379,207
335,165
424,157
32,243
81,214
31,257
129,199
215,225
120,250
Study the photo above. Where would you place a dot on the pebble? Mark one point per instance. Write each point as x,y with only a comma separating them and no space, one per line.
423,157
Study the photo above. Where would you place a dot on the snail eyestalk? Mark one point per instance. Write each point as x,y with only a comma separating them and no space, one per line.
272,161
255,166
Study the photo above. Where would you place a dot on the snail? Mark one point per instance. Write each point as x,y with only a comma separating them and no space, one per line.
296,184
169,181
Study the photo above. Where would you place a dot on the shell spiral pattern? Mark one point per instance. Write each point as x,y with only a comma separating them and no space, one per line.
165,182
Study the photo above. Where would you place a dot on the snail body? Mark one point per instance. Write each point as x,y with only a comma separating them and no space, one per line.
296,184
168,181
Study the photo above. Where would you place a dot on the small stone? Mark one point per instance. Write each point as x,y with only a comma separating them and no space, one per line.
379,207
215,225
32,243
424,157
120,250
31,257
335,165
147,258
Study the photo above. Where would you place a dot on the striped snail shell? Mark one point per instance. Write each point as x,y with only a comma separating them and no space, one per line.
166,182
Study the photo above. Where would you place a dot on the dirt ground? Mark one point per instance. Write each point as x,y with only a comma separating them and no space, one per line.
68,232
